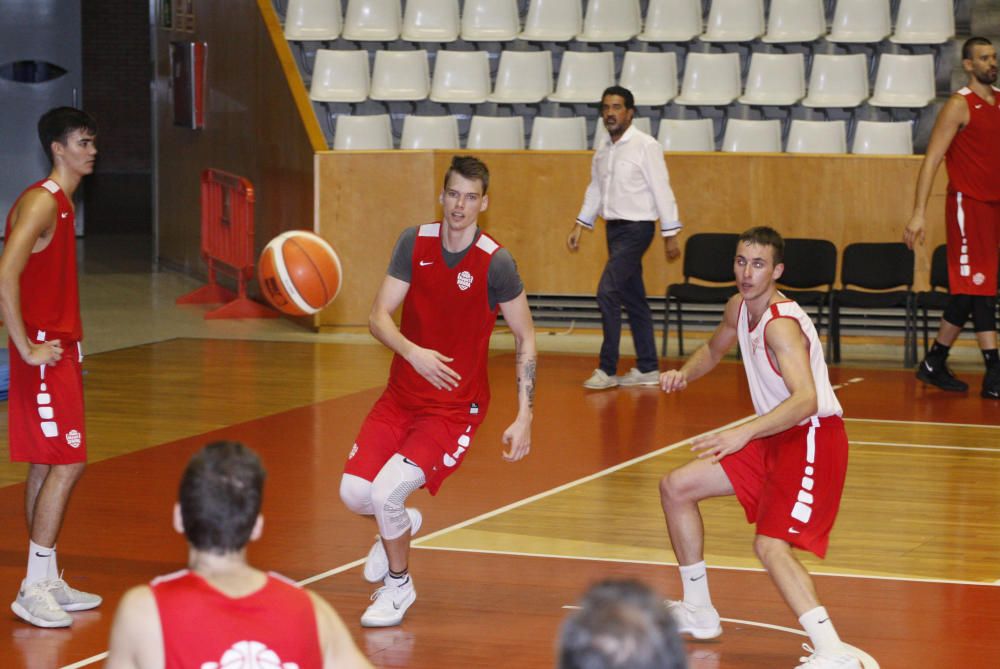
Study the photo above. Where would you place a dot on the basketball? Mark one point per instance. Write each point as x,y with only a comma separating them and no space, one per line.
299,273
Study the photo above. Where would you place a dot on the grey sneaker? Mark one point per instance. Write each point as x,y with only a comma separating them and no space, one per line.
600,381
377,563
700,622
637,378
816,661
70,599
36,605
389,605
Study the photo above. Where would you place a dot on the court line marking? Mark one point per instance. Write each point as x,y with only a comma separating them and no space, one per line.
89,660
920,422
657,563
940,446
867,660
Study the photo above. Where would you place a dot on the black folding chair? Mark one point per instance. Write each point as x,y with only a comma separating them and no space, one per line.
883,274
937,296
708,256
810,272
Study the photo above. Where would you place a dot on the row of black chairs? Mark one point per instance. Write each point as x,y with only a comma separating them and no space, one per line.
872,276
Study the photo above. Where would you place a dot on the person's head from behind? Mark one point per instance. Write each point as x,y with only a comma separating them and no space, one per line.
979,60
621,624
70,134
617,110
220,497
464,193
759,262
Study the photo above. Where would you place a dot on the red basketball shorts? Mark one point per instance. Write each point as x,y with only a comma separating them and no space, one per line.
436,443
790,483
45,409
973,229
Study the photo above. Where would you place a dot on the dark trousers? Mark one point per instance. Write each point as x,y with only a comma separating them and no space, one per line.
621,285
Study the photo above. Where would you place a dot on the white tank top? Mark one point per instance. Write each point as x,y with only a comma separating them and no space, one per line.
767,388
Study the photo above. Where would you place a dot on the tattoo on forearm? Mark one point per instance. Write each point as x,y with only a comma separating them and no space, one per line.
527,379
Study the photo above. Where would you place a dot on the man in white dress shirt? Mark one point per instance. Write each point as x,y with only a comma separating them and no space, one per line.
630,189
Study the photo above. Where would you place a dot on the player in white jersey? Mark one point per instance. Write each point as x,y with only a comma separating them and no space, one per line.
786,466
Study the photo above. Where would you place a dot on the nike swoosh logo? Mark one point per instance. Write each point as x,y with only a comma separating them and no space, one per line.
696,578
65,214
425,264
928,367
42,556
979,106
792,530
823,621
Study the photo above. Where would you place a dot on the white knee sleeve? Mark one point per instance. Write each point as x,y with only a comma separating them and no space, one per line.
357,494
394,483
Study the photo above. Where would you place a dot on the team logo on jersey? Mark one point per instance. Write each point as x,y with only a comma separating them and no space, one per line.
74,438
464,280
249,655
354,449
978,278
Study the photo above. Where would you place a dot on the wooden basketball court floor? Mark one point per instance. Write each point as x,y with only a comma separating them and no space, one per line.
912,577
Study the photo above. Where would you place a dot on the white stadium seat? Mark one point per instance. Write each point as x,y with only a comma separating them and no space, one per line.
559,134
312,20
523,77
372,20
496,132
752,136
837,81
429,132
400,75
363,132
461,77
583,76
672,21
775,79
687,134
710,79
871,137
817,137
340,76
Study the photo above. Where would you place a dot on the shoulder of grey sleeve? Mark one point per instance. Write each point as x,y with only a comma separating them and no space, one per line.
503,277
401,263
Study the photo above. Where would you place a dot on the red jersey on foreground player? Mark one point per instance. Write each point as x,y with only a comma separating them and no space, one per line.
40,305
220,611
450,279
786,466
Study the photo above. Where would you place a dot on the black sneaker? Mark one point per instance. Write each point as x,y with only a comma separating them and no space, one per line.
991,384
939,375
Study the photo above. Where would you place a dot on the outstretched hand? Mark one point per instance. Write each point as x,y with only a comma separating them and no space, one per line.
431,365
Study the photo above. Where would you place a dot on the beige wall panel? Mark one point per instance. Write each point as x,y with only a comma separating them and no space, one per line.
535,196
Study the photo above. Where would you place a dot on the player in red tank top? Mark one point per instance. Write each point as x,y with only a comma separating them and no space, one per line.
419,431
220,611
967,135
39,303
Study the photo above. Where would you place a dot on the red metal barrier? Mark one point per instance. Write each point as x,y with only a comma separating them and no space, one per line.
227,246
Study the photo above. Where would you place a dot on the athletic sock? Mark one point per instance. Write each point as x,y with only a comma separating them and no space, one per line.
397,579
39,559
939,352
54,564
991,357
821,632
694,578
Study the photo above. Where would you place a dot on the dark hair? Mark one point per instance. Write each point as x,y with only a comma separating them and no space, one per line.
972,42
220,496
765,236
621,624
621,91
469,167
56,124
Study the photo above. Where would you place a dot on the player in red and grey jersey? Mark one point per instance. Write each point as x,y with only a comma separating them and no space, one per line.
786,466
220,611
39,303
450,279
967,136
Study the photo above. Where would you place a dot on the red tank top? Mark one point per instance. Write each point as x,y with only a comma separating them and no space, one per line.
447,309
202,627
50,300
973,159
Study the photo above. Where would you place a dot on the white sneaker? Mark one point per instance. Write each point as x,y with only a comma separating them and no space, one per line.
70,599
817,661
389,605
600,381
701,622
637,378
36,605
377,562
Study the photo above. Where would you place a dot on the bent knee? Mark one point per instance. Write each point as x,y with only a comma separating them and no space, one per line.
356,493
674,488
767,548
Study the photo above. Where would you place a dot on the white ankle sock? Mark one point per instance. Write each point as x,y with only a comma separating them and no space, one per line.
819,627
40,561
694,578
397,581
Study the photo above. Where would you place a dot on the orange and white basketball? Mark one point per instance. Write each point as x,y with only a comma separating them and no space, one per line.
299,273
